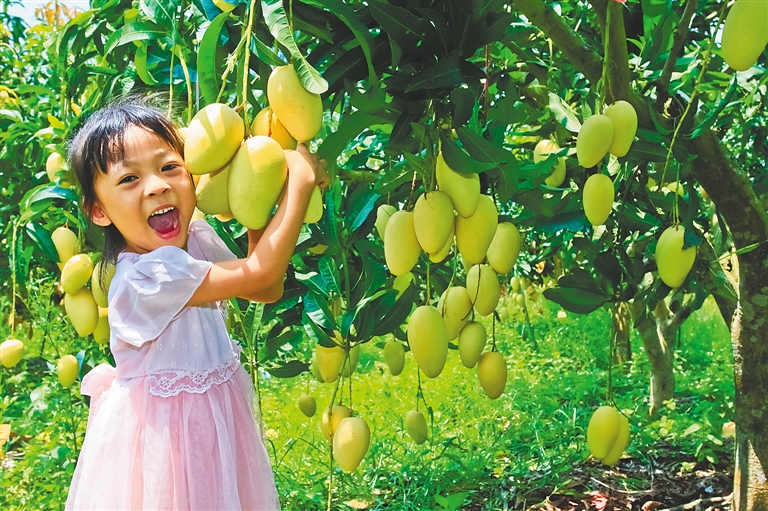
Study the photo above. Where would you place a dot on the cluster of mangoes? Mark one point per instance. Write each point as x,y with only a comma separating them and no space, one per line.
607,435
244,179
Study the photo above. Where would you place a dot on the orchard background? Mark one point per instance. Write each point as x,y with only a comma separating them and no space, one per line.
480,81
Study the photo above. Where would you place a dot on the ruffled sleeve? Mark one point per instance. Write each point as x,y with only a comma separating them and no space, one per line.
153,292
204,243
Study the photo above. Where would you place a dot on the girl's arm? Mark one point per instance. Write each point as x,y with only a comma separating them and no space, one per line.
275,292
260,275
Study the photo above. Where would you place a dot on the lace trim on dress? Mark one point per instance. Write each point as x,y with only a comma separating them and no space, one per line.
172,383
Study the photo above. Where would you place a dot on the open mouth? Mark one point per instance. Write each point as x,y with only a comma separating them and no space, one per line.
165,221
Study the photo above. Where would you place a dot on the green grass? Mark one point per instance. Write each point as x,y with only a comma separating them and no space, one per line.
480,451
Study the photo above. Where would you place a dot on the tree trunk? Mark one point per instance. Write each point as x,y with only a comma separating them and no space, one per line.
621,322
658,342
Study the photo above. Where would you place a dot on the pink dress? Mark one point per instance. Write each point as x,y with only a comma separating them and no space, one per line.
171,427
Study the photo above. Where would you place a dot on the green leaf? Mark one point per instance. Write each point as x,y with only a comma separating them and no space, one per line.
289,369
273,344
395,315
711,117
403,28
458,160
266,54
482,149
330,274
163,12
350,128
224,234
316,308
564,113
315,282
209,64
277,21
578,300
140,61
42,239
139,31
362,208
464,102
445,73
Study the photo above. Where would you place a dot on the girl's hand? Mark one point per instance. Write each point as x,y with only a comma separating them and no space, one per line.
311,162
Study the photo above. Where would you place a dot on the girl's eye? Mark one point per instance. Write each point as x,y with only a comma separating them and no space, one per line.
127,179
170,166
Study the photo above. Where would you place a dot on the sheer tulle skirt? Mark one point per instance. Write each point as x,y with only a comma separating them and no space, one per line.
186,452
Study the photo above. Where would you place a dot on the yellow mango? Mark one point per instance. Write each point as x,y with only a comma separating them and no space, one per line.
441,254
603,430
315,209
504,248
455,305
100,294
394,355
492,373
11,352
745,33
67,370
475,233
416,426
267,124
256,180
598,198
76,273
383,214
541,152
307,405
82,311
428,340
514,284
329,422
211,192
620,445
483,288
53,164
472,341
329,362
318,249
401,283
463,189
225,217
350,442
401,247
624,119
65,242
300,111
433,220
316,368
673,262
212,138
223,5
594,140
101,332
351,361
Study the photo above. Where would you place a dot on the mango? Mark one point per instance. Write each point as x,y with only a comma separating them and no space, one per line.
82,311
65,242
514,284
455,305
315,208
53,164
257,177
394,355
541,152
212,139
211,192
383,214
307,405
225,217
67,369
318,249
745,33
101,332
472,341
300,111
11,352
441,254
316,368
101,293
620,445
504,248
223,5
520,300
401,247
492,373
433,220
329,422
350,363
673,262
267,124
598,198
350,442
483,288
475,233
401,283
329,361
463,189
416,426
603,431
76,273
428,340
594,140
624,119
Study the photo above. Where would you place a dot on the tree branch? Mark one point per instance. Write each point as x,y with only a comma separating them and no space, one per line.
681,35
616,73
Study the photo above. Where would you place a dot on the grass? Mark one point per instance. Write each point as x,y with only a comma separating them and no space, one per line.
481,454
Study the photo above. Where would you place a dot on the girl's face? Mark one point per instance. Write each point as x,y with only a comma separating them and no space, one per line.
149,196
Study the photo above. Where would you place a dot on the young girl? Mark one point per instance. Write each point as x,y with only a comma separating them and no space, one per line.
172,426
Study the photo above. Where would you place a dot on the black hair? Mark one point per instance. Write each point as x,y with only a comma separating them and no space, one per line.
100,142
